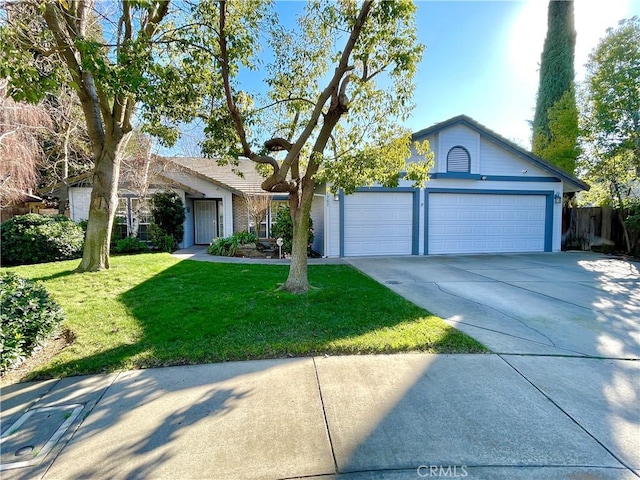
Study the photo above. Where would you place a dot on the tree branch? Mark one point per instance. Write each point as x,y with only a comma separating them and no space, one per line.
233,109
333,85
157,14
224,65
285,100
277,144
366,77
87,93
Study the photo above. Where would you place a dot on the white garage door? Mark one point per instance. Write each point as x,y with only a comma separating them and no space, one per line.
486,223
378,223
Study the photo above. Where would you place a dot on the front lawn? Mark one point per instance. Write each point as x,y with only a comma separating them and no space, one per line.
154,310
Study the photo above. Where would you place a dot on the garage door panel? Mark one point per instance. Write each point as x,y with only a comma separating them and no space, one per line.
485,223
378,223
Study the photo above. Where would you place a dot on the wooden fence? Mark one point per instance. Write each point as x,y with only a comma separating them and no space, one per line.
594,228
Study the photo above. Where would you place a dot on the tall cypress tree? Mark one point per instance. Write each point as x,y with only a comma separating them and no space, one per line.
555,125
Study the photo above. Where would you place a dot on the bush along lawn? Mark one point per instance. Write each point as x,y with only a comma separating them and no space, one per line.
27,317
153,310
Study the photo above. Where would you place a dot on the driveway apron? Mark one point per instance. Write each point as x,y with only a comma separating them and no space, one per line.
568,323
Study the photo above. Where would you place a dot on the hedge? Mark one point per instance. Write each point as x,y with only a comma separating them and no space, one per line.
35,238
27,317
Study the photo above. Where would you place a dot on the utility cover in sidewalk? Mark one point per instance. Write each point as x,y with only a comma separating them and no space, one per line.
35,433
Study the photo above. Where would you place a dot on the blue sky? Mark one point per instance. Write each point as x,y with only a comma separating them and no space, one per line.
482,58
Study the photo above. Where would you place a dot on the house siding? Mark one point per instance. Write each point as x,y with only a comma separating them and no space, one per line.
189,229
332,224
317,215
79,201
458,136
496,161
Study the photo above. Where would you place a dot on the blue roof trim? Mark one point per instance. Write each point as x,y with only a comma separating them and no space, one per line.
506,178
506,144
493,178
457,175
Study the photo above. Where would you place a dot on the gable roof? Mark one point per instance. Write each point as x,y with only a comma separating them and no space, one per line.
225,176
574,183
207,169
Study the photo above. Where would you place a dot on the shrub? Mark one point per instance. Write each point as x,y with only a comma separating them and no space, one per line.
83,224
27,316
130,245
283,227
227,247
168,214
161,239
34,238
245,237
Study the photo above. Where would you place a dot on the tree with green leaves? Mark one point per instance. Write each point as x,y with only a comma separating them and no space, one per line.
611,121
104,52
555,124
338,83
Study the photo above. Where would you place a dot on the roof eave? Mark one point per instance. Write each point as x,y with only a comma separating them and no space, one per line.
565,177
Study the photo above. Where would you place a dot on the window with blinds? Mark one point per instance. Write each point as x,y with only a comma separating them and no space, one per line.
458,160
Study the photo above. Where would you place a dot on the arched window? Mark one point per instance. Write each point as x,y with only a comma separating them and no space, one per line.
458,160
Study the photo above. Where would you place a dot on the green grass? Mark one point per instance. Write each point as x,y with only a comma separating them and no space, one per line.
154,310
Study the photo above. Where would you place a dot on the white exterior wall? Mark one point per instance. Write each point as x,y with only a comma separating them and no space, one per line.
79,202
210,191
497,161
452,137
332,225
409,184
317,215
557,221
187,239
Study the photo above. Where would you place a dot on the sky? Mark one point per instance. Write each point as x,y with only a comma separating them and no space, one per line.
482,58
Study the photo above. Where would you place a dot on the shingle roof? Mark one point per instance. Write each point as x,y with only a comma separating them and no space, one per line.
575,182
248,182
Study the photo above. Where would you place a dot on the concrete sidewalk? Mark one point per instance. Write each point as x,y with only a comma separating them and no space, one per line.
199,253
359,417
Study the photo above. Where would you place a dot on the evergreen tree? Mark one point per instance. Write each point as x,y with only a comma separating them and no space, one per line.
555,140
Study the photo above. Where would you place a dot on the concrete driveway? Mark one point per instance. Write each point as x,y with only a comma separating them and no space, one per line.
548,304
567,323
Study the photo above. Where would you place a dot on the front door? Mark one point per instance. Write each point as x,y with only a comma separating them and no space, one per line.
206,221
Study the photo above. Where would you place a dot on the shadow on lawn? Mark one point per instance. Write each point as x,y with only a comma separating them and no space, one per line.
197,312
64,273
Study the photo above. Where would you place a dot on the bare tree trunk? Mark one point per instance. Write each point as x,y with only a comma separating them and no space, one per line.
102,210
64,197
620,213
143,195
625,230
298,281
